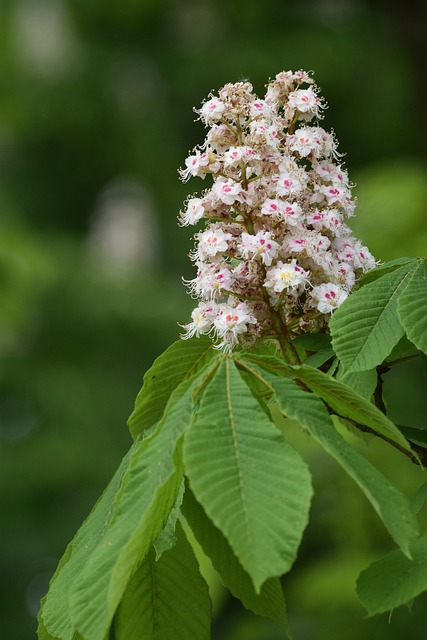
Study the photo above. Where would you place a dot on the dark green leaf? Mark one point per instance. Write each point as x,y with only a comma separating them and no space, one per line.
313,341
391,505
148,491
270,602
394,579
167,599
419,498
55,614
348,403
419,436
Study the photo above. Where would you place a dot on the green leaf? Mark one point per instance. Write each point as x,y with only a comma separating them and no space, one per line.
419,436
412,307
403,348
390,504
270,602
313,341
252,484
320,357
394,579
366,326
363,382
167,599
382,269
349,404
167,538
54,614
181,361
149,489
419,498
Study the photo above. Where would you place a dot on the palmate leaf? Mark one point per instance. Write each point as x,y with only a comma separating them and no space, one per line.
167,599
270,602
412,307
366,326
347,403
394,579
148,491
181,361
390,504
253,486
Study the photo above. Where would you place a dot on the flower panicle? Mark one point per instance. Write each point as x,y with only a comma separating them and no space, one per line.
276,256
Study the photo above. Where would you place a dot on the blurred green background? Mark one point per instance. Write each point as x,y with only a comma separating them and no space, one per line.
95,118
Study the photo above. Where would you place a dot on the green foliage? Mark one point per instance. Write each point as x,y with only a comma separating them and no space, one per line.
209,448
395,579
412,308
166,598
181,361
266,510
370,316
392,507
270,602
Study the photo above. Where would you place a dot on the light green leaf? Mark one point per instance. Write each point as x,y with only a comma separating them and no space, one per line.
348,403
390,504
167,599
366,326
181,361
270,602
394,579
412,307
363,382
148,491
252,484
55,610
167,538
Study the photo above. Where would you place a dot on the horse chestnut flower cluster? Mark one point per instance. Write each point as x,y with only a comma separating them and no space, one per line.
275,257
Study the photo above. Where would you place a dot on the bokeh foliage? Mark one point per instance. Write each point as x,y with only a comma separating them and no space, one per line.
95,118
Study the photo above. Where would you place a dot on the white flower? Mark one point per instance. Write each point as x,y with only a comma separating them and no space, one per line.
230,322
226,190
286,276
291,182
193,213
196,165
327,297
211,242
306,102
308,243
330,219
261,108
261,245
211,281
202,316
212,110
